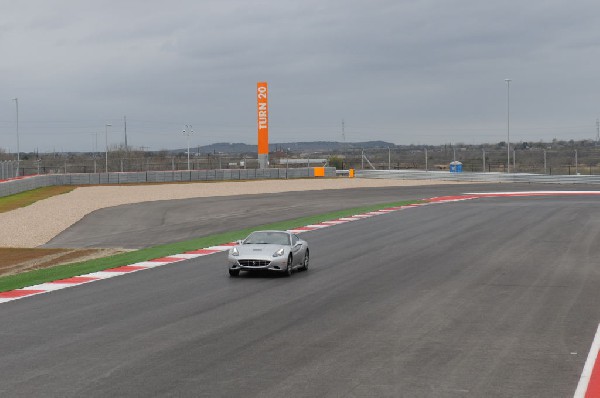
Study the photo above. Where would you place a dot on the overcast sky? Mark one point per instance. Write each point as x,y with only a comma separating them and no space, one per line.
403,71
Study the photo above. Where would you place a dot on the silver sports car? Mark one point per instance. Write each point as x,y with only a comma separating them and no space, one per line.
279,251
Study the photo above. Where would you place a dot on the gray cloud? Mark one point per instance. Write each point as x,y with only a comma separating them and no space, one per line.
403,71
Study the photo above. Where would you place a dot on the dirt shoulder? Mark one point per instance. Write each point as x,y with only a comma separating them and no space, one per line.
35,225
17,260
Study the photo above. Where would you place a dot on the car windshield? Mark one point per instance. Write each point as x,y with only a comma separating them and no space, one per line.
268,238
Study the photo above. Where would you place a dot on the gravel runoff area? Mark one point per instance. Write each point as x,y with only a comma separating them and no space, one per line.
35,225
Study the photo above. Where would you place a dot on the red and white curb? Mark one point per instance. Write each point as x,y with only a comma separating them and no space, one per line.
171,259
175,258
589,383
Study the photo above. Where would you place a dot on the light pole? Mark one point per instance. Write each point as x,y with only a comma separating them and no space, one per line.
483,160
544,161
95,153
106,126
508,124
18,149
188,131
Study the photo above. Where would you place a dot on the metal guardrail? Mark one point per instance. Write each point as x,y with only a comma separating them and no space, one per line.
478,177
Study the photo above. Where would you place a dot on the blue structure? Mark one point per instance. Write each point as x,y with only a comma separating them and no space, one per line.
455,167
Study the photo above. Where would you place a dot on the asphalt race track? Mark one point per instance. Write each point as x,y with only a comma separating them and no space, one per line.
152,223
483,298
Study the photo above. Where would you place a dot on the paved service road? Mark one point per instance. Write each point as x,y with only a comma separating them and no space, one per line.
483,298
152,223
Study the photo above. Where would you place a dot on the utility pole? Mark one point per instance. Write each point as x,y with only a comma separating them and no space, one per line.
483,160
507,124
188,131
106,126
96,150
362,159
344,144
125,123
597,132
514,160
18,149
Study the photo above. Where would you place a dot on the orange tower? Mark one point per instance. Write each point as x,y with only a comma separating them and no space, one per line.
263,124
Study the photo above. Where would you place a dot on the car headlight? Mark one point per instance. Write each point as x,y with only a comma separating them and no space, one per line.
279,252
235,252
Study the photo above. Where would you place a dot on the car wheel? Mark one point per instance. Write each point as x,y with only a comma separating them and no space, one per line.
306,260
234,272
288,268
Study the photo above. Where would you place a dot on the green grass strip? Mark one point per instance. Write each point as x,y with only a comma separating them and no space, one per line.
30,278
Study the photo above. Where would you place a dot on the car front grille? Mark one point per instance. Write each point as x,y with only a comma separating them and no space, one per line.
254,263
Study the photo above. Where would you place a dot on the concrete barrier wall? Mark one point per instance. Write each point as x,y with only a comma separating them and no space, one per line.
12,187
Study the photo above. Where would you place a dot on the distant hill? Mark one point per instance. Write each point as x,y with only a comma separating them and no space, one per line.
314,146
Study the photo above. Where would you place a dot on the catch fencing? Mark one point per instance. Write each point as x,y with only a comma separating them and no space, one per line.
8,169
12,187
479,177
539,160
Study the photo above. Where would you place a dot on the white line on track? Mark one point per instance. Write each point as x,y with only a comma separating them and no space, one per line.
588,368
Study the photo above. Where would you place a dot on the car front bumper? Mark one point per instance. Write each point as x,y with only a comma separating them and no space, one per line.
258,264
